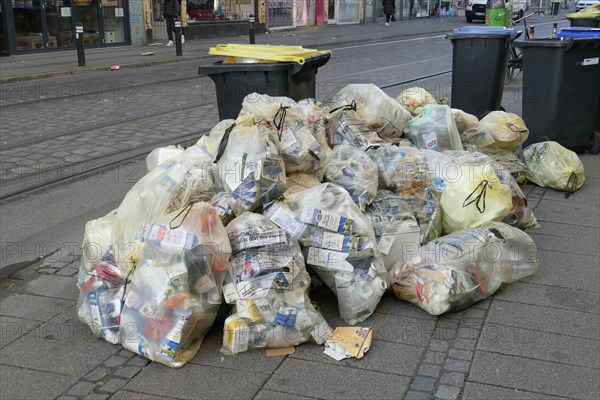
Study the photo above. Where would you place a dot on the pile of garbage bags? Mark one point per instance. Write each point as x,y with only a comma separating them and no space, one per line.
368,194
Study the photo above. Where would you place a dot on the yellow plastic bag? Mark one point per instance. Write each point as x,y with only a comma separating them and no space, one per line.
415,97
551,165
474,198
507,129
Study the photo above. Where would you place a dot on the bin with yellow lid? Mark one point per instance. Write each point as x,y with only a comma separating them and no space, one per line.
274,70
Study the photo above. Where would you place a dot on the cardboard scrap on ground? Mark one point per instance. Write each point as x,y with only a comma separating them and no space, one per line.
281,352
348,342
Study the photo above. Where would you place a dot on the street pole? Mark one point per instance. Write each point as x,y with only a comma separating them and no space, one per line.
251,20
178,47
79,43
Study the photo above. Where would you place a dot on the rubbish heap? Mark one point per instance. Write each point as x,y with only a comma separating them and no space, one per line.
368,194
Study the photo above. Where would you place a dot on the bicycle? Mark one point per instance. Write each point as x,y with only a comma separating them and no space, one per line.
515,56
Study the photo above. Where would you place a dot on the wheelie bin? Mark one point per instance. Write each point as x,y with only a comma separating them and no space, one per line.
290,71
561,88
479,61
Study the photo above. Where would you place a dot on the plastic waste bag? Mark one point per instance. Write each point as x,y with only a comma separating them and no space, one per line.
458,270
299,181
477,136
475,198
268,284
434,129
221,204
415,97
161,154
350,168
346,127
464,121
250,169
211,143
173,184
378,111
289,129
551,165
175,292
507,129
316,116
510,161
396,229
404,171
339,243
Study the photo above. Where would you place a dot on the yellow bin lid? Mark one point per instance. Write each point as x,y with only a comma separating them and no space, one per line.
266,52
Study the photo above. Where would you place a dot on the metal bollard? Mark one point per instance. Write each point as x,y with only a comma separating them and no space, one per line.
251,20
178,47
79,43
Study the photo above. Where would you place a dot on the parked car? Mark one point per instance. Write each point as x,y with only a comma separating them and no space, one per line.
475,9
581,4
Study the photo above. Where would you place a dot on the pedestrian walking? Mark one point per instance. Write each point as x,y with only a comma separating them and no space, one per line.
388,9
170,12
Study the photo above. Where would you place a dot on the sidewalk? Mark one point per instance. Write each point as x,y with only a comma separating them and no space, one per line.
50,64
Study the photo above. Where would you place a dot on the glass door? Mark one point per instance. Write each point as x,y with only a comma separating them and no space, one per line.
349,11
87,12
112,21
30,25
331,11
59,23
281,13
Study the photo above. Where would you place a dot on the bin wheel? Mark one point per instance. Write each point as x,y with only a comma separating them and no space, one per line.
594,147
469,20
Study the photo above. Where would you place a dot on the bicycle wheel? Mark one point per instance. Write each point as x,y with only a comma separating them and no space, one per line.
512,68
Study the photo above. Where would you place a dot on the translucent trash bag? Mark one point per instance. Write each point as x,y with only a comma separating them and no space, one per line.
268,285
457,270
508,130
346,127
551,165
510,161
378,111
250,169
339,243
396,229
464,121
350,168
434,129
415,97
161,154
175,292
213,142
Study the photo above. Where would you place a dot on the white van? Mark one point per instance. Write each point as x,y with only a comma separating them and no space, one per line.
475,9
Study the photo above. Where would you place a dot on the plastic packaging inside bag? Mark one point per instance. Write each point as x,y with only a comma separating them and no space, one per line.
339,243
173,184
551,165
464,121
457,270
507,129
396,229
161,154
378,111
521,215
221,202
300,181
404,171
345,127
350,168
434,129
415,97
475,198
175,292
211,143
510,161
250,169
268,284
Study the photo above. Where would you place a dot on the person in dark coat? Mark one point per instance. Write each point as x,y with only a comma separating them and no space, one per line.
170,12
389,7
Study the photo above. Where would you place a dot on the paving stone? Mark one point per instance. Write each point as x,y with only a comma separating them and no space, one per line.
465,344
434,357
69,272
112,385
460,354
53,286
447,392
423,383
63,345
21,385
389,304
115,361
430,370
468,333
67,398
128,395
535,376
190,381
126,353
540,345
273,395
580,244
575,271
473,313
438,345
456,365
138,361
543,295
334,382
483,304
12,329
97,374
414,395
453,379
127,372
393,358
573,323
81,388
478,391
96,396
576,213
209,354
33,307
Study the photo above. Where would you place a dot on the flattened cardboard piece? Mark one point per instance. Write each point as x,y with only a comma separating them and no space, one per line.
284,351
349,342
